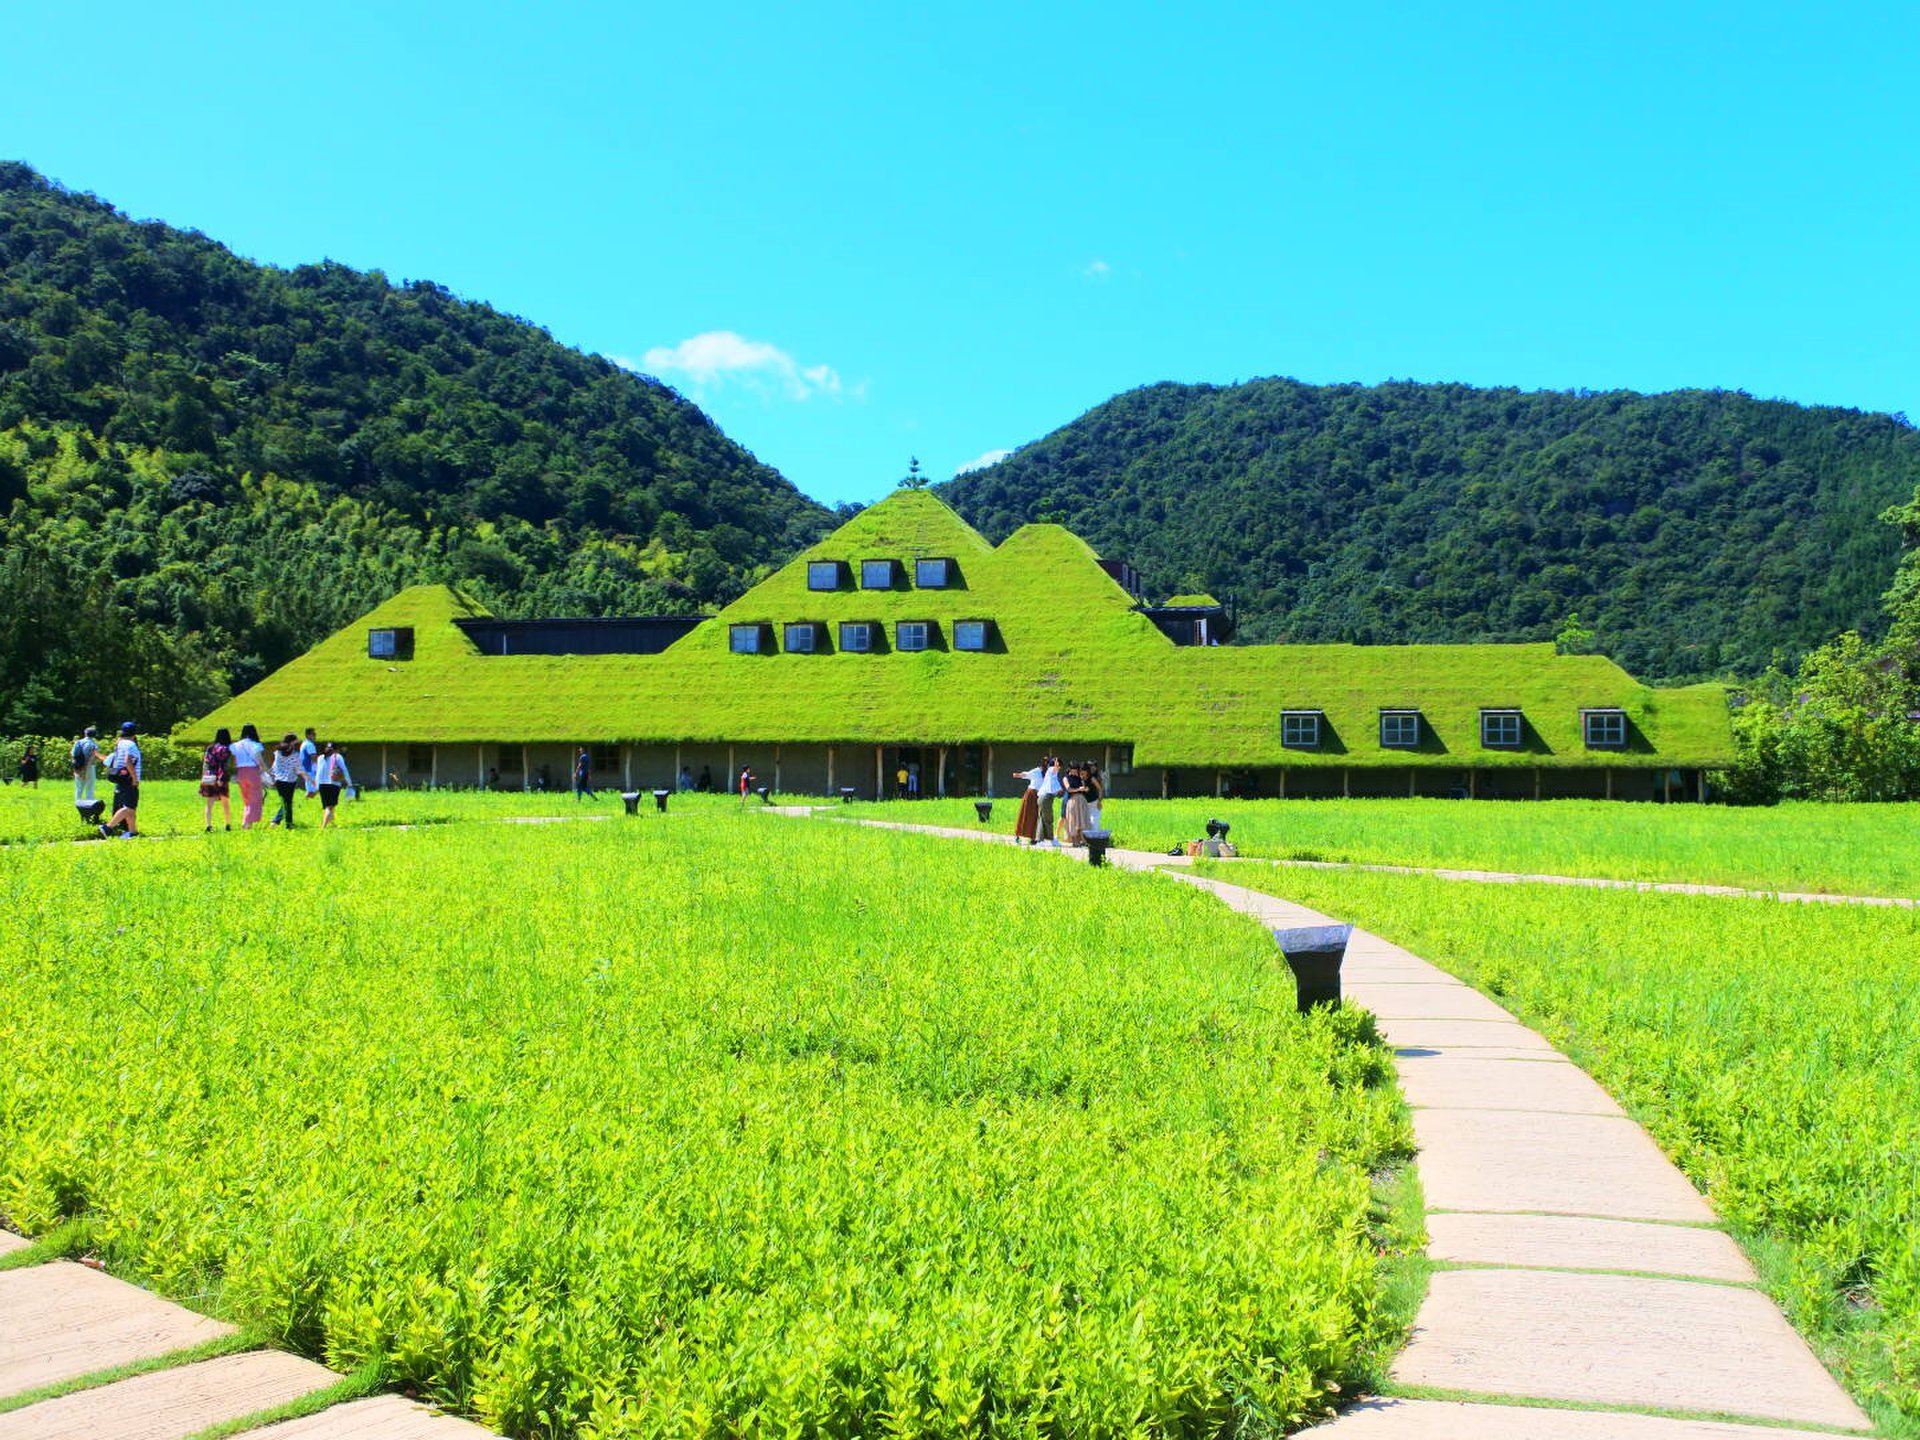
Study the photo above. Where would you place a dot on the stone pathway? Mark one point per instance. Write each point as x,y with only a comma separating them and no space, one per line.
61,1322
1576,1265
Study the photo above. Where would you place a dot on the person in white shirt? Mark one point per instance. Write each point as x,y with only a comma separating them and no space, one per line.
1026,829
1050,788
85,756
331,774
249,769
124,771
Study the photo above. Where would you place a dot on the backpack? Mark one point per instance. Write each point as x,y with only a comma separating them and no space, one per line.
78,755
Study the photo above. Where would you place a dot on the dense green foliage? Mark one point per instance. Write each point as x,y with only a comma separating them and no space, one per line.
208,464
1767,1047
707,1125
1696,533
1831,849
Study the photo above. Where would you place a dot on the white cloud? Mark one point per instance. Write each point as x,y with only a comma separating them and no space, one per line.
981,462
1098,270
722,357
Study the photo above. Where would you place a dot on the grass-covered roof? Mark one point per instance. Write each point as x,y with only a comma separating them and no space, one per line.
1071,661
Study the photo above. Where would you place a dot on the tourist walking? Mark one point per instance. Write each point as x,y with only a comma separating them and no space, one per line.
249,766
746,783
1026,828
583,776
1096,796
287,774
1073,809
685,781
333,775
216,774
310,763
84,758
124,770
30,766
913,781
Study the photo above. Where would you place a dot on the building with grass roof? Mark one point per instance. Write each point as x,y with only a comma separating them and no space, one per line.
905,639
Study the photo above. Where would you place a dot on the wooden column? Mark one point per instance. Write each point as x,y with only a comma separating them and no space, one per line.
733,775
1609,782
1413,781
989,772
1473,784
879,760
1346,782
940,774
678,766
829,769
1219,783
433,772
1164,787
1666,786
384,772
1283,782
776,769
1536,782
480,774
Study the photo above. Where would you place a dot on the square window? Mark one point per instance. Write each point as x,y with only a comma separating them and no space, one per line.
1500,729
856,635
876,574
1399,729
744,639
911,635
390,644
823,575
933,574
1300,729
799,638
1605,729
420,759
971,634
604,758
510,759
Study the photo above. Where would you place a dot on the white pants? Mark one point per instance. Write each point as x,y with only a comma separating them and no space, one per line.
83,787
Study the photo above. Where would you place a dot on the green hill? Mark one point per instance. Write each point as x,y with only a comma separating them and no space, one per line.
1696,533
207,464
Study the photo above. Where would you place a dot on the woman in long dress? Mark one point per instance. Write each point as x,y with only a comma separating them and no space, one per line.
1073,813
1026,827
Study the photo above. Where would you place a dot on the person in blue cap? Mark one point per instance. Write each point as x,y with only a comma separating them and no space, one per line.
123,769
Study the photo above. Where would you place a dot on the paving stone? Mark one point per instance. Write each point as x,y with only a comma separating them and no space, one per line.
1449,1001
1460,1420
1446,1034
171,1404
10,1242
1464,1082
1619,1340
1567,1242
62,1320
385,1417
1519,1161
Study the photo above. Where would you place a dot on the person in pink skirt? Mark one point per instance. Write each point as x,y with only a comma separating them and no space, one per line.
249,766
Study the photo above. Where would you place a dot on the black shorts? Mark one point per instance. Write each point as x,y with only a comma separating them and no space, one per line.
126,796
329,796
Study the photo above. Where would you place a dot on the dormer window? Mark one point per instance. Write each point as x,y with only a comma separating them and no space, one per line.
933,574
857,636
912,634
1604,729
1300,729
395,643
1500,729
801,638
877,574
750,639
972,634
1399,729
825,574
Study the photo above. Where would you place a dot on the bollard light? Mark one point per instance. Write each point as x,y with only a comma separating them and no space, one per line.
1217,829
1314,953
846,794
632,798
660,800
1097,843
984,809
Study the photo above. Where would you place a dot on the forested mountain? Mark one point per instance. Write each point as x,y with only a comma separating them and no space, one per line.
1695,533
206,464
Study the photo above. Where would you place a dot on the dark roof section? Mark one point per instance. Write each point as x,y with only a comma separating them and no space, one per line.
579,635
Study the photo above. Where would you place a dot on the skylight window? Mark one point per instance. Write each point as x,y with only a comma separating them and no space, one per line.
912,635
1399,729
1604,729
972,634
748,639
825,574
1500,729
1300,729
800,638
933,574
877,574
856,636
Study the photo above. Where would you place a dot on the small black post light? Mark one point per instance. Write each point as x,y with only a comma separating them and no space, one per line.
765,792
1217,829
846,794
1097,843
1314,953
632,797
984,809
660,800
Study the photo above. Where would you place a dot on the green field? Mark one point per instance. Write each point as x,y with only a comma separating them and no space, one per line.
1837,849
706,1125
174,807
1771,1049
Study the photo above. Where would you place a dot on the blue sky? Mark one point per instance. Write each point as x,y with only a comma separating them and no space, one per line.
855,234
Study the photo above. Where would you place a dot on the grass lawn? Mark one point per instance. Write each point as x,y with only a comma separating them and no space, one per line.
1771,1049
1840,849
705,1125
